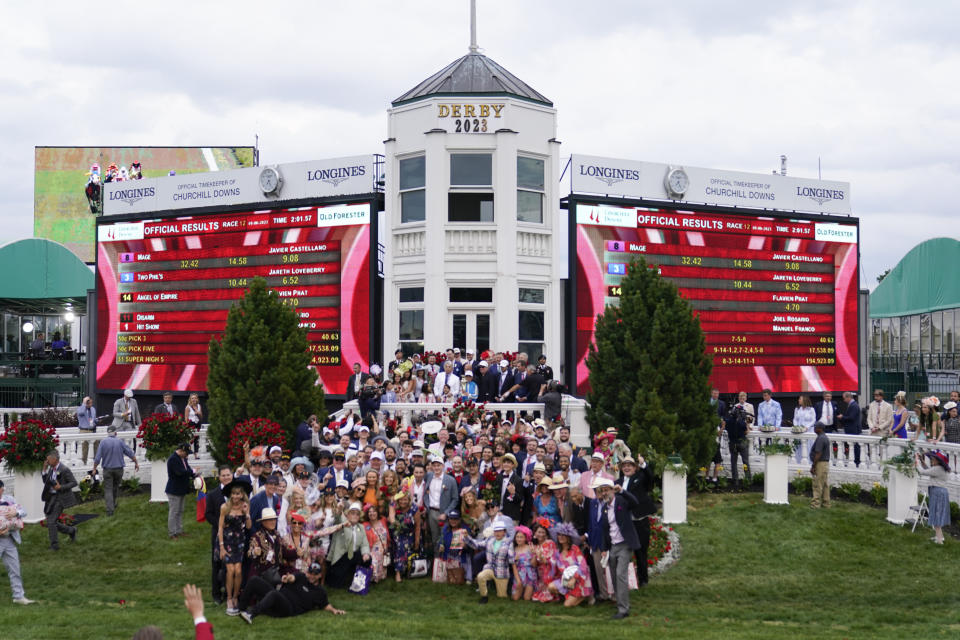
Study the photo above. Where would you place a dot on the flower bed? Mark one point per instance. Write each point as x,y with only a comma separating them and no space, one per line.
664,548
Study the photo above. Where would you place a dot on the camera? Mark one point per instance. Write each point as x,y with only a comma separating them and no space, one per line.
739,414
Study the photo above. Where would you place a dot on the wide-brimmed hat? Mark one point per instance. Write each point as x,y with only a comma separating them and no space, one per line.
431,427
601,482
307,465
267,514
546,481
510,457
939,457
949,405
237,482
565,529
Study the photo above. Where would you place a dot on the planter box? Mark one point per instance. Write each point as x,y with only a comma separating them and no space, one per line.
27,489
158,480
775,479
674,496
901,495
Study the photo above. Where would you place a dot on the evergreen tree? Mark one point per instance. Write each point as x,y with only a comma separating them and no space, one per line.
649,373
259,368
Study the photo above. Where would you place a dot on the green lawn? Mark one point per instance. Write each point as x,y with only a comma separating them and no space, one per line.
748,570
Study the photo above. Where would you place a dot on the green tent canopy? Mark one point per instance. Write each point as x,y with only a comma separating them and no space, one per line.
41,275
924,280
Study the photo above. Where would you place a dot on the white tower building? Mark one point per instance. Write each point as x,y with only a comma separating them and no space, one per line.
471,229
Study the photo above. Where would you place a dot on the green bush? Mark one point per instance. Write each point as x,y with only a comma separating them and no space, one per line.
954,511
757,478
802,485
850,491
130,485
879,494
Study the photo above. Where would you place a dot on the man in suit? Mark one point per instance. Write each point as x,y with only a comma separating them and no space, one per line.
636,478
504,381
827,412
440,497
355,382
594,538
57,495
488,382
446,377
510,489
850,421
166,407
9,539
215,500
269,498
337,472
880,415
179,484
126,413
620,539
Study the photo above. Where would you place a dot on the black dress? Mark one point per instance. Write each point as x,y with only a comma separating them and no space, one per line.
234,538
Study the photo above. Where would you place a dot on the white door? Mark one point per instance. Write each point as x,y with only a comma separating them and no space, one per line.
471,329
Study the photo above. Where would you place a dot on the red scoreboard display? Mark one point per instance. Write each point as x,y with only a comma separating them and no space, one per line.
165,287
776,297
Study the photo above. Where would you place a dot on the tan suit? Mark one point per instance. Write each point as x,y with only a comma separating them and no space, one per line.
880,417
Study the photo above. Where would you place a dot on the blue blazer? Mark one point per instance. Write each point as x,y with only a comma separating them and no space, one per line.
594,526
179,476
851,420
258,503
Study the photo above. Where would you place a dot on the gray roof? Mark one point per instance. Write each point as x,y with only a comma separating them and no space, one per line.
473,74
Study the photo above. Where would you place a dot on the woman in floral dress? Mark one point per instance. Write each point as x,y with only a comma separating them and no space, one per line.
545,556
524,564
405,527
295,547
573,582
379,538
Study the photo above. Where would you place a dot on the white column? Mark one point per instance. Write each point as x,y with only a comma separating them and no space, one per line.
674,496
27,489
901,495
775,480
158,481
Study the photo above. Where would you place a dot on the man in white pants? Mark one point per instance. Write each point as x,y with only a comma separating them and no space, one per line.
10,525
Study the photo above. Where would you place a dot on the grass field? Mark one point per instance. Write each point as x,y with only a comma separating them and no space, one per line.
748,570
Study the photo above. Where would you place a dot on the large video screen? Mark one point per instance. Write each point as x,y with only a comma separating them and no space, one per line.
66,178
164,288
776,297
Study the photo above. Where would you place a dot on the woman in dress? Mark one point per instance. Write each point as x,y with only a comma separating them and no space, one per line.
471,509
804,416
378,537
545,556
295,547
524,564
928,419
371,496
405,528
232,531
389,488
283,520
545,505
939,516
298,505
573,583
408,387
900,415
193,414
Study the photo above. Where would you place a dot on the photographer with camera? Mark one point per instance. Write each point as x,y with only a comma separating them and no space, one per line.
737,424
370,397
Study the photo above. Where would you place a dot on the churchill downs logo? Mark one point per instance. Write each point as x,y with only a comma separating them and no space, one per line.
821,195
336,176
609,175
132,195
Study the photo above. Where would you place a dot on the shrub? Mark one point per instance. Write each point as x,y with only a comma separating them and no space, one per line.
802,485
954,511
757,478
56,416
879,494
131,484
850,491
659,541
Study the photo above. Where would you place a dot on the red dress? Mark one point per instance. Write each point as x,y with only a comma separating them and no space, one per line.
579,585
546,554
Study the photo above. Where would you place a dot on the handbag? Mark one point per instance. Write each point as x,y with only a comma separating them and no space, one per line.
419,567
439,570
362,579
386,559
455,574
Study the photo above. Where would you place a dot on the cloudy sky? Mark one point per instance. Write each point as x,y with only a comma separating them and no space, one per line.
869,88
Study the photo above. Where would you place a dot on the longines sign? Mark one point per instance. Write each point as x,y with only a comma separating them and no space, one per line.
316,179
651,180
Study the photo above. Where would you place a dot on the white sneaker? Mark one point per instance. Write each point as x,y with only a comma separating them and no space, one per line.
23,601
246,616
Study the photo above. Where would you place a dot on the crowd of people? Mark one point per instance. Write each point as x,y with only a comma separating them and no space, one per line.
476,500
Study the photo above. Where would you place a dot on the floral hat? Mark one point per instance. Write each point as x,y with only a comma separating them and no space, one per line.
565,529
939,457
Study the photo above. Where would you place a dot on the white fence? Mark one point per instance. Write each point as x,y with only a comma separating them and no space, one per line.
873,451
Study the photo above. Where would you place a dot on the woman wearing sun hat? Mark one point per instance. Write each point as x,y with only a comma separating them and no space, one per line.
574,581
295,546
938,473
405,526
545,505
